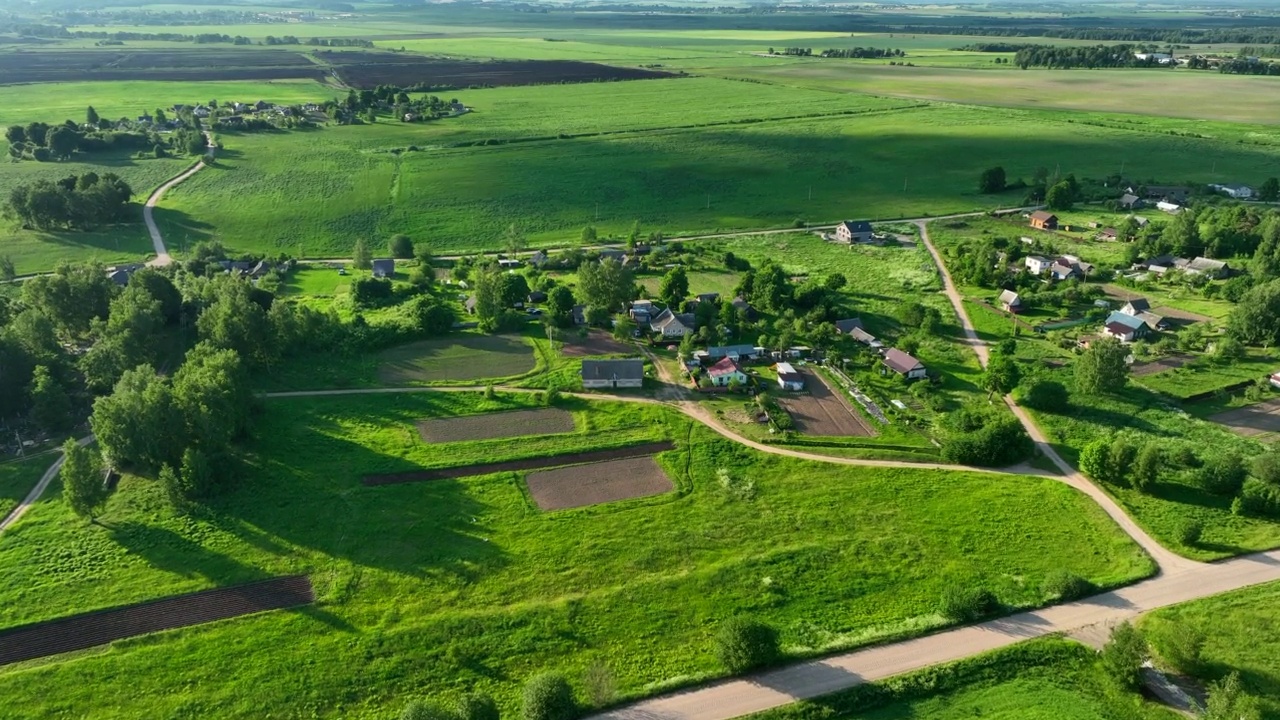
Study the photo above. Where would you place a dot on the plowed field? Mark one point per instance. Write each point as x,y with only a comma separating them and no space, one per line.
491,426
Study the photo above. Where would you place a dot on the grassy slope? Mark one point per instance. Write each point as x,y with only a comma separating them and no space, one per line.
449,585
1046,679
1240,630
18,477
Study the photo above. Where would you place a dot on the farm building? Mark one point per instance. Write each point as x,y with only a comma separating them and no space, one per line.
673,325
538,259
612,254
744,308
1125,328
120,274
1135,307
1063,271
866,338
642,311
1109,234
1042,220
612,373
1239,192
1169,207
736,353
1010,301
384,268
725,372
1169,193
1129,201
848,325
854,231
788,378
904,364
1204,266
711,298
470,304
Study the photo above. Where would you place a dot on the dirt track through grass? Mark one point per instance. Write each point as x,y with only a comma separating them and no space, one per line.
534,463
597,483
1253,420
492,426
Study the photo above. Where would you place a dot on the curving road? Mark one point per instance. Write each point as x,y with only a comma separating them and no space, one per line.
162,257
39,489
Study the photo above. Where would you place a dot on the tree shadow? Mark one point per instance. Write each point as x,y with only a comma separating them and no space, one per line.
166,550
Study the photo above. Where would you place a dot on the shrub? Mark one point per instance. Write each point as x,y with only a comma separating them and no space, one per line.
1189,532
743,644
489,393
1123,656
1065,586
548,697
477,706
1266,467
423,710
1257,498
1222,475
401,247
601,688
1179,646
998,441
967,604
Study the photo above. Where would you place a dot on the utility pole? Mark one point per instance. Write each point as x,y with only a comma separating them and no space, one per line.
708,201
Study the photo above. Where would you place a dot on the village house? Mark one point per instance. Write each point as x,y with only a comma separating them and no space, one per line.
848,325
1123,327
854,231
598,374
1043,220
538,259
737,353
904,364
1129,201
1109,234
866,338
1037,264
1010,301
470,305
1135,307
788,378
1170,193
384,268
1061,270
726,372
1215,269
1169,207
1239,192
673,325
744,308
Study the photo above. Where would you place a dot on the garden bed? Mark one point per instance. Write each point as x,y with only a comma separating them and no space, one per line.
598,483
493,426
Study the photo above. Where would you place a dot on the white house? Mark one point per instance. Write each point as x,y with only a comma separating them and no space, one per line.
788,378
672,325
1136,307
1239,192
726,372
854,231
1037,264
1010,301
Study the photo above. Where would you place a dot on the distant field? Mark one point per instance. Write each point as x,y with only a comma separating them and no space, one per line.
456,358
191,64
1143,92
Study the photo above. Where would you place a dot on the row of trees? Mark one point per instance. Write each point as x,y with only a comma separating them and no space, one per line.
854,52
1098,56
77,202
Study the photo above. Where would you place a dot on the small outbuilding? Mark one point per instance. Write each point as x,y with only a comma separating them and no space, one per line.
788,378
1043,220
384,268
1010,301
597,374
904,364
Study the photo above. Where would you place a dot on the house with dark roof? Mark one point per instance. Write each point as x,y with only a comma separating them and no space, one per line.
579,314
733,352
538,259
866,338
1135,307
673,325
854,231
537,296
904,364
1129,201
626,373
384,268
1204,266
725,372
1110,234
848,325
744,307
1123,327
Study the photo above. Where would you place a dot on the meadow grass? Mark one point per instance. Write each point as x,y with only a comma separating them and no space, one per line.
1239,636
460,358
17,477
1044,679
443,586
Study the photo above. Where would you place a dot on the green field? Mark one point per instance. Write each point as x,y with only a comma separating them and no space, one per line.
1046,679
17,477
456,584
462,358
1239,628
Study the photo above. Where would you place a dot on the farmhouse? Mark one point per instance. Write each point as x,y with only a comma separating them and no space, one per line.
903,364
848,325
1109,234
612,254
1061,270
744,308
1172,193
1129,201
1037,264
854,231
537,296
612,373
1204,266
725,372
1010,301
1135,307
538,259
866,338
384,268
120,274
1125,328
642,311
1239,192
788,378
1043,220
673,325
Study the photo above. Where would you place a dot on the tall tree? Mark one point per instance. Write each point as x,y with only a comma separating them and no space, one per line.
127,339
1229,701
138,424
1256,318
63,141
361,256
1060,196
606,284
1001,376
992,180
1102,368
83,484
50,404
1270,190
91,116
211,393
401,247
675,287
560,305
513,240
236,322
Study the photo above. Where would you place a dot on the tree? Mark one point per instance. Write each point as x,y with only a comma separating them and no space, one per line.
1001,376
1060,196
423,710
7,269
1266,467
1269,190
212,395
488,286
992,181
1123,656
588,235
674,288
1095,460
430,316
1102,368
63,142
401,247
623,329
422,252
15,134
361,256
1228,349
1228,701
477,706
1223,474
548,697
91,116
235,321
605,284
513,240
560,305
1040,393
515,289
835,281
1146,469
743,644
83,485
50,404
1255,320
138,424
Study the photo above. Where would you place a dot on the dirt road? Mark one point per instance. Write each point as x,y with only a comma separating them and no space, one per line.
39,489
162,257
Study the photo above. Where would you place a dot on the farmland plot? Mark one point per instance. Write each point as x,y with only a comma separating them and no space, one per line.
369,69
823,412
109,65
457,358
597,483
492,426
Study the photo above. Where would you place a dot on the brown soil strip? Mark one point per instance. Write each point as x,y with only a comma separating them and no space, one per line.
79,632
492,426
824,412
605,482
1155,366
536,463
597,343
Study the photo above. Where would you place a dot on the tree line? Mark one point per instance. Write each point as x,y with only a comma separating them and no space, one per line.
77,202
856,52
1182,36
44,142
1097,56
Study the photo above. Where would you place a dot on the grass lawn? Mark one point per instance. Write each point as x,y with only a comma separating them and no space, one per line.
464,358
441,586
1240,629
17,477
699,282
1045,679
316,281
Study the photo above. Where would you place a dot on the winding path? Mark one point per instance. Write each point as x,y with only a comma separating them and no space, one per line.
162,257
39,489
